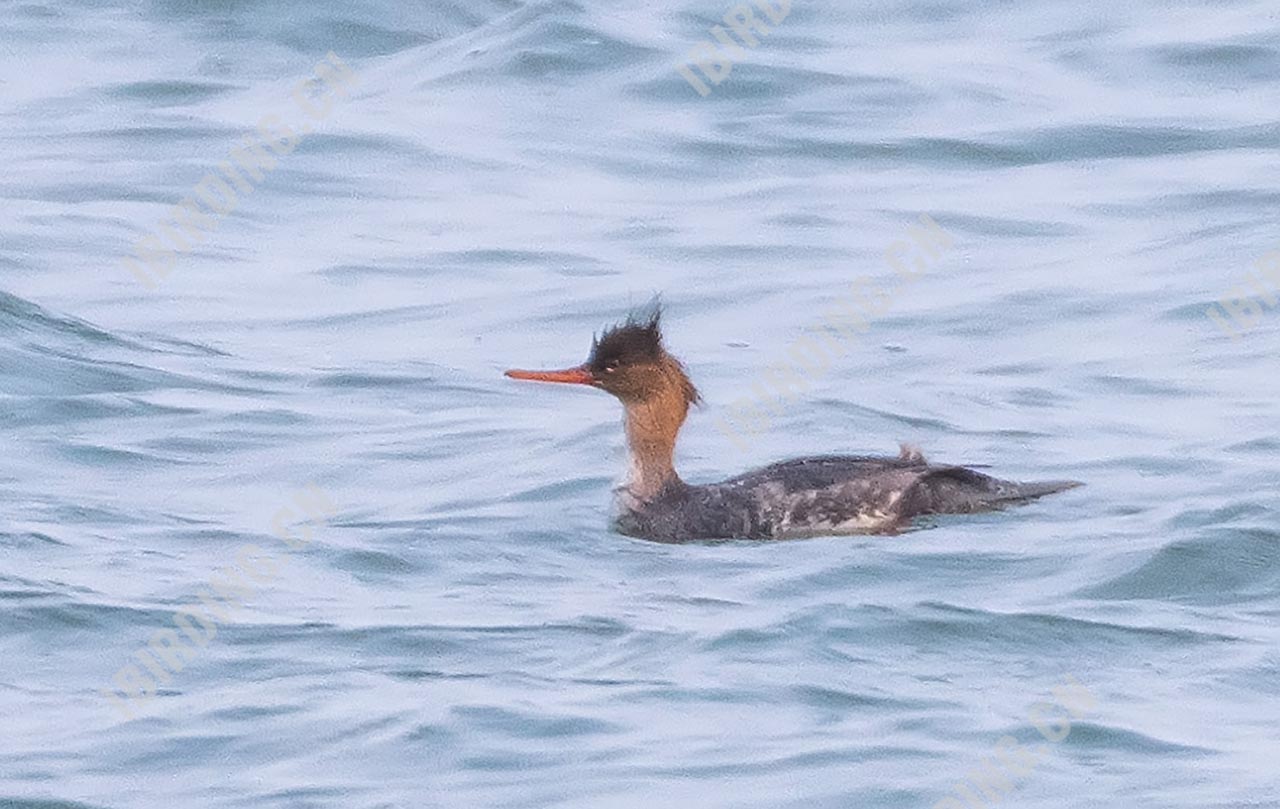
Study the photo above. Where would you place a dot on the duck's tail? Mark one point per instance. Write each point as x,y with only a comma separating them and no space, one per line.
956,490
1039,488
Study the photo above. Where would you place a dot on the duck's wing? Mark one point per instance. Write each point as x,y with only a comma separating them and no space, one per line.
826,495
820,472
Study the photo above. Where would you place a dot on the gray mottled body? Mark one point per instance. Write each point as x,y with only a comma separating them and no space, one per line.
821,495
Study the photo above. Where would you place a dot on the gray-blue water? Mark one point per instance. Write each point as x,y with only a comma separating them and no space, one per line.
501,180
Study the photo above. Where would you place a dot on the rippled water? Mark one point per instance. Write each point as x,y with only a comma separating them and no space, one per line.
502,179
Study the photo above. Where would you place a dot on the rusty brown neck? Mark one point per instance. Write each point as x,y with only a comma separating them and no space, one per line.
652,426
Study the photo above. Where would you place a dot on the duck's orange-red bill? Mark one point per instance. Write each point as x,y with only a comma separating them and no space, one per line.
573,376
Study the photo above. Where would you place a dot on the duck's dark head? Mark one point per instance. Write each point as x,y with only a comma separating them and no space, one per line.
629,361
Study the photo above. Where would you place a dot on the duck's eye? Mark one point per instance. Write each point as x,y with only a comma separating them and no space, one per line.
611,367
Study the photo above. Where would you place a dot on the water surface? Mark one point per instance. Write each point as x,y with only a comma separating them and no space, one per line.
506,178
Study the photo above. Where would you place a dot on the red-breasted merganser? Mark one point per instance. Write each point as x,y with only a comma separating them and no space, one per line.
816,496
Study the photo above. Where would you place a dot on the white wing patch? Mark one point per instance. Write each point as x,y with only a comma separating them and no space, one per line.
872,520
